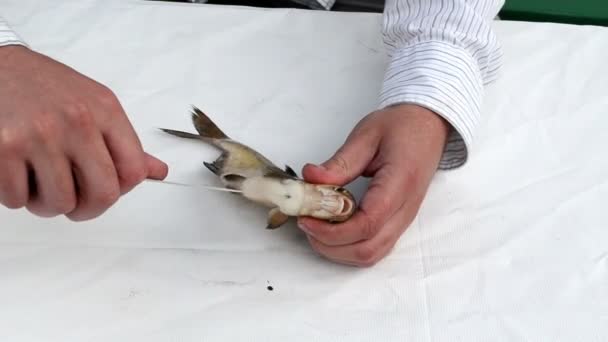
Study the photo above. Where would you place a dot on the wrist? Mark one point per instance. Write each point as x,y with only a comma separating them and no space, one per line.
425,120
8,50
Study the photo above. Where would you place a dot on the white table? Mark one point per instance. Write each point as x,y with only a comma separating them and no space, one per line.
512,247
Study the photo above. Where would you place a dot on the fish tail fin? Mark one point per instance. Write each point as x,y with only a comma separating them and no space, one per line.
205,126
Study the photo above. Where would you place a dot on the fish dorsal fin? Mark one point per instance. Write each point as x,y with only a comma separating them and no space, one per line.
290,171
275,172
204,126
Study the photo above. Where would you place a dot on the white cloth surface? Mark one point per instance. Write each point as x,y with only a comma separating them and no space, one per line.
511,247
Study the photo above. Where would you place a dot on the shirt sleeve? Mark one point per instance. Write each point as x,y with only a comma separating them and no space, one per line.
442,54
8,36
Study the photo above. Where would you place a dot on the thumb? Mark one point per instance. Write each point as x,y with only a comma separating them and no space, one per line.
156,168
348,162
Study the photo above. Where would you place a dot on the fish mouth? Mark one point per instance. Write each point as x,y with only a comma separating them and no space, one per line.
338,205
346,207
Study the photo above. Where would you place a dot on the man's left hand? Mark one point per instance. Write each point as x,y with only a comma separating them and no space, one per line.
400,148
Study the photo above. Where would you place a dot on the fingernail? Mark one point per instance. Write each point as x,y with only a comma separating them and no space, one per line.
313,165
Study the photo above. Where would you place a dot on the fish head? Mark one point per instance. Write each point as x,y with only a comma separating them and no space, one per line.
334,203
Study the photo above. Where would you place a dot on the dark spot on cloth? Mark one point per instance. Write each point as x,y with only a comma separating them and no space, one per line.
269,288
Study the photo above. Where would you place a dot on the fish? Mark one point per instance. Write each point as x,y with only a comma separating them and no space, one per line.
246,172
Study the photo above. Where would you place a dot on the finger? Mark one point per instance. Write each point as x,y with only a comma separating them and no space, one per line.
55,192
123,144
13,184
128,157
96,177
157,169
387,192
368,252
349,161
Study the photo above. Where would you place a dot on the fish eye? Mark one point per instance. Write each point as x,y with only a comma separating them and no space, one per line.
340,189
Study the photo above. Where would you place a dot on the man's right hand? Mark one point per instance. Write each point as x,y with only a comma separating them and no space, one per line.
66,145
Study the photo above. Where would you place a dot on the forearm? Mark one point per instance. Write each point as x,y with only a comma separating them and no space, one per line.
8,36
442,54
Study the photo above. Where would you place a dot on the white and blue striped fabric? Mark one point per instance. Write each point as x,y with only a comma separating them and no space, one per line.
442,54
8,36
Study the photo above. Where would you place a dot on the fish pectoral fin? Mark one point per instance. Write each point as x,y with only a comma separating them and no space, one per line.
276,218
212,167
290,171
233,180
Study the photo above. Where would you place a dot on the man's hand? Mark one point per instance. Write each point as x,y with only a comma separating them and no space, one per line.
400,147
66,145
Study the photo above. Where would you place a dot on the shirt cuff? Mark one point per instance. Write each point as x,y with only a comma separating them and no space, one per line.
8,36
445,79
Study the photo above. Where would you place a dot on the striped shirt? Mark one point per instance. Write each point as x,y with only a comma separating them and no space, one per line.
442,53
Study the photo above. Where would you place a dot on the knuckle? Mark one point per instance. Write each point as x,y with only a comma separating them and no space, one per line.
78,114
107,98
82,212
133,175
389,242
40,208
370,229
64,204
61,207
78,216
11,141
13,204
13,201
341,162
365,255
97,199
45,127
107,197
384,203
